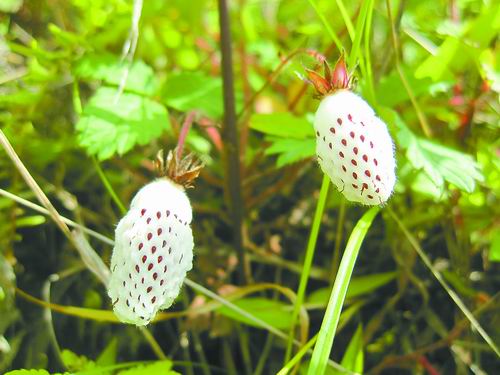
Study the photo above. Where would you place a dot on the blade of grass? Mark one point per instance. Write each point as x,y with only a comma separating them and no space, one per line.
360,24
367,56
297,357
324,344
347,19
421,116
454,296
304,277
108,187
329,29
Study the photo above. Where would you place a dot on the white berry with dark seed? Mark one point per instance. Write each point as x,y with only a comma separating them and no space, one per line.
153,248
353,145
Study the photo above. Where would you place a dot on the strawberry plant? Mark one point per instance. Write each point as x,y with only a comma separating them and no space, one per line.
345,220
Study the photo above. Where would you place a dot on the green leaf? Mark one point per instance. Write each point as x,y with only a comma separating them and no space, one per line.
282,124
390,91
439,162
157,368
108,68
74,362
290,151
275,313
353,357
194,91
359,286
10,6
107,128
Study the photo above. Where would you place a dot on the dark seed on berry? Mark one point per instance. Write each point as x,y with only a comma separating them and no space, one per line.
148,220
144,258
164,243
143,211
317,133
339,121
158,214
354,174
150,267
141,246
355,150
330,145
353,162
332,130
344,142
362,137
341,154
161,282
375,162
150,288
168,213
365,158
142,280
352,135
354,186
136,268
344,168
367,173
128,303
124,283
370,196
153,300
371,144
377,177
155,276
159,231
153,249
150,235
160,258
165,269
349,116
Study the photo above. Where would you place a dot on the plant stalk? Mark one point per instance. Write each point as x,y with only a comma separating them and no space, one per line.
231,140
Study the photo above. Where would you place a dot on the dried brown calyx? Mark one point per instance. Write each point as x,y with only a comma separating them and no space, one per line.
339,79
182,171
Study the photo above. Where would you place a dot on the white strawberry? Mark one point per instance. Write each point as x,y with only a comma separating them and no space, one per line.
353,146
153,245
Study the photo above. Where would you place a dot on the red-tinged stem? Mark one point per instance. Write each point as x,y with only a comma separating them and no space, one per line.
428,366
184,132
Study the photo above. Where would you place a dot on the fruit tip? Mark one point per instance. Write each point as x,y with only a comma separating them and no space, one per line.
182,171
331,81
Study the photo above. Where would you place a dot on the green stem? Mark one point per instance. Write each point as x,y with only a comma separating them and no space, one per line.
338,239
328,328
311,245
108,187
